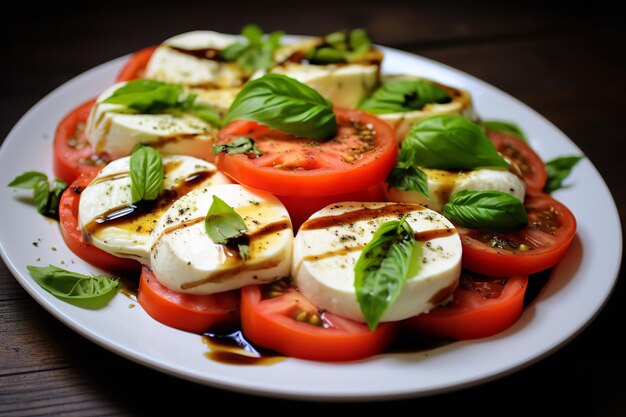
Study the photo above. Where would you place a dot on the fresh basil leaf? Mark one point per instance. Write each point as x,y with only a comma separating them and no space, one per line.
558,169
28,180
504,127
382,269
340,47
207,114
240,145
54,198
148,96
146,173
403,96
285,104
451,142
46,199
492,210
79,289
226,227
257,53
408,179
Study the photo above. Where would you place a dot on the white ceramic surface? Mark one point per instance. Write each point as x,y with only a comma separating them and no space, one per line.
576,292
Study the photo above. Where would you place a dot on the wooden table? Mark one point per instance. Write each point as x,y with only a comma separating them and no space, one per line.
566,63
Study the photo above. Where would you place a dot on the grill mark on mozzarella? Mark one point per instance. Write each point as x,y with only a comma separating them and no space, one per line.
260,232
423,236
349,217
427,235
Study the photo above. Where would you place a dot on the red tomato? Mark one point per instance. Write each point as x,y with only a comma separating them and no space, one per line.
72,153
480,307
136,65
532,167
308,175
276,316
68,220
188,312
551,227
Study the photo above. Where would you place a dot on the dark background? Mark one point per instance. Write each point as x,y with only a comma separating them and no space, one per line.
567,63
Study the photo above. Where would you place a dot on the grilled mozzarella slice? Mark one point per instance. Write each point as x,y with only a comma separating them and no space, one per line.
461,103
442,184
115,129
329,244
112,223
192,59
185,259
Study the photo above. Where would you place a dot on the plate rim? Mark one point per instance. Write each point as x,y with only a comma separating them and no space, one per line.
137,356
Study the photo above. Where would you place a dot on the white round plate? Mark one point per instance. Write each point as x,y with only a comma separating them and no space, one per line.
575,293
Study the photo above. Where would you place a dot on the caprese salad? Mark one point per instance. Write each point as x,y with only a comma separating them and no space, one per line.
293,192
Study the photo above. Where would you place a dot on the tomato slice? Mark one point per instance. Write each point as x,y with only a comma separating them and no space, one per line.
533,169
73,155
188,312
73,237
136,65
276,316
359,156
481,306
551,228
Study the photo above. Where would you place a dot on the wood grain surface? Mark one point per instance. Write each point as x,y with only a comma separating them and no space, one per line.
567,63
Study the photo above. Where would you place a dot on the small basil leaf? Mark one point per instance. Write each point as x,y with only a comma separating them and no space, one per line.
28,180
45,199
40,195
285,104
492,210
54,198
146,173
558,169
257,53
148,96
226,227
504,127
409,179
79,289
382,269
451,142
340,47
403,96
240,145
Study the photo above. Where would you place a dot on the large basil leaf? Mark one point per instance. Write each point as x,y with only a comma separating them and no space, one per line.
382,268
403,96
79,289
451,142
285,104
146,173
492,210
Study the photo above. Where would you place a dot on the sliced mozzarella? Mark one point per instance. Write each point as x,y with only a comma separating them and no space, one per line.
219,99
185,259
329,244
115,129
442,184
461,104
343,84
112,223
191,59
